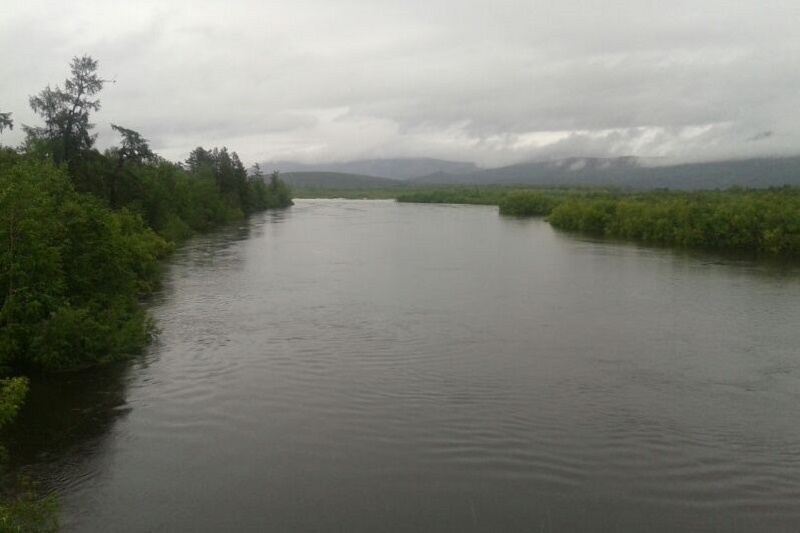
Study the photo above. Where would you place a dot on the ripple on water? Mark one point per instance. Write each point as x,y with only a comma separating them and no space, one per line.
353,365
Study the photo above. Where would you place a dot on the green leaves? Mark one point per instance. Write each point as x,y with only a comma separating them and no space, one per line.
79,241
528,203
763,221
71,272
12,394
134,147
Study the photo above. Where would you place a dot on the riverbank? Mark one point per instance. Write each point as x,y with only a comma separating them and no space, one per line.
75,270
759,221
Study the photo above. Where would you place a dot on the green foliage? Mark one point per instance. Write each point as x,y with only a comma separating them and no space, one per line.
762,221
27,512
81,233
528,203
23,511
587,215
241,191
134,147
277,194
454,195
70,271
81,237
752,220
511,201
8,158
12,394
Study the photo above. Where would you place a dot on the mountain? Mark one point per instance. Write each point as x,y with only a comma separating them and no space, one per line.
337,180
633,173
399,168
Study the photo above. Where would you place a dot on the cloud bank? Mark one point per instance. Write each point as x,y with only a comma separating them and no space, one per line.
494,83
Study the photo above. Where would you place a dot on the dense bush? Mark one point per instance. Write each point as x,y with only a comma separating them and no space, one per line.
454,195
528,203
71,271
750,220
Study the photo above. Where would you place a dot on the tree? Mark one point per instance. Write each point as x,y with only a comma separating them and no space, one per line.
198,158
134,147
255,172
6,122
66,111
134,150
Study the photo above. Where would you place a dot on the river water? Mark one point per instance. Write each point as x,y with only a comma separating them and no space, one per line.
372,366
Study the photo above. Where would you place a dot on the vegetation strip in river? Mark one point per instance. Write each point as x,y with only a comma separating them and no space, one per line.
750,220
762,221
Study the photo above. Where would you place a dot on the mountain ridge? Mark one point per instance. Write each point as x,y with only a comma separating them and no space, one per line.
391,168
627,172
338,180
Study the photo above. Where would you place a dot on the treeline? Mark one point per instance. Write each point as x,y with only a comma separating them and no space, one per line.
512,201
541,202
761,221
454,195
82,232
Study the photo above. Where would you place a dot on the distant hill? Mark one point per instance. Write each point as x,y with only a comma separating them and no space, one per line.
337,180
630,172
399,168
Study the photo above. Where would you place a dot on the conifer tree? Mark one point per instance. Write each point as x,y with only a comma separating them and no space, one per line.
67,131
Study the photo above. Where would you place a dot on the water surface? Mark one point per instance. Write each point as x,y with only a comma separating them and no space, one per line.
373,366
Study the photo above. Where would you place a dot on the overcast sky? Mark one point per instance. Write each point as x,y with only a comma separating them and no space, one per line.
493,82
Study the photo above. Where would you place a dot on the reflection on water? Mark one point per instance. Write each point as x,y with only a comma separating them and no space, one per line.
372,366
60,436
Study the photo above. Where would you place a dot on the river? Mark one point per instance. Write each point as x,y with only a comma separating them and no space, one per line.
374,366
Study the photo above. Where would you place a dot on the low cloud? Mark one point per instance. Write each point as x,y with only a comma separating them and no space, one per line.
472,80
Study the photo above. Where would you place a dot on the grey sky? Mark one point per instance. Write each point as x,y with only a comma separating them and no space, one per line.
491,82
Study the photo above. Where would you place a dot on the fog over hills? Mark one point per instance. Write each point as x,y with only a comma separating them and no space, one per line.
634,173
396,168
338,180
575,171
